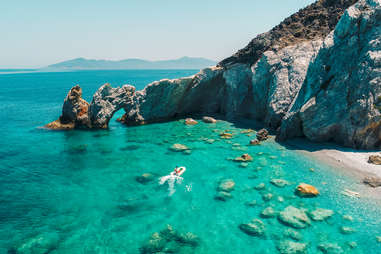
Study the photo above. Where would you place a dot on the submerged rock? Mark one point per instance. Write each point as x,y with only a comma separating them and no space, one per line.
320,214
267,196
255,228
330,248
44,243
347,230
145,178
279,182
226,185
178,148
293,234
223,196
260,186
170,241
244,158
306,190
268,212
352,244
208,119
294,217
251,203
291,247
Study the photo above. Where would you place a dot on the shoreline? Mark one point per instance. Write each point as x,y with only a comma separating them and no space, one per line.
350,162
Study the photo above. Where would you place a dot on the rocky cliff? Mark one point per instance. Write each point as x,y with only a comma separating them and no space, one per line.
317,74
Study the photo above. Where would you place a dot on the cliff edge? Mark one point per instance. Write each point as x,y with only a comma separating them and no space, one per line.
317,75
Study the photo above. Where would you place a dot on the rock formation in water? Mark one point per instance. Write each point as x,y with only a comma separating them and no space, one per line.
74,112
317,74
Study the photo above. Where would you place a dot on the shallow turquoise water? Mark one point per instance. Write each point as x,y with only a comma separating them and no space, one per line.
76,191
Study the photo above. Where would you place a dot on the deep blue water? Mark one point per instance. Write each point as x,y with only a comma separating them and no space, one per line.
76,191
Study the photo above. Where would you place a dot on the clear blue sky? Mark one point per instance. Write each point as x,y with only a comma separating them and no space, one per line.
36,33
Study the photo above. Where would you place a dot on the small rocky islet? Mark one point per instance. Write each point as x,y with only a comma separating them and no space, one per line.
291,215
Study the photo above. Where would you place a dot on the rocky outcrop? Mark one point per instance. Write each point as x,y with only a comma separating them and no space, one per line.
313,22
106,101
306,190
312,75
74,111
339,100
375,159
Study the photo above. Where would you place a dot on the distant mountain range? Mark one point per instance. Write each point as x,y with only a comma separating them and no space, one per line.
133,63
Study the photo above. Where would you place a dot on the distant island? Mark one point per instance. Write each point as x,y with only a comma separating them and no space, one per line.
133,63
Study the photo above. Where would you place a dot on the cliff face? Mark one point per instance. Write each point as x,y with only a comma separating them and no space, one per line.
320,83
341,96
311,23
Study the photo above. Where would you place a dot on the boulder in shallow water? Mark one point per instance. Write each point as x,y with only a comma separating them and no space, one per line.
294,217
306,190
320,214
255,228
267,196
226,135
330,248
74,112
40,244
244,158
251,203
293,234
373,181
375,159
170,241
254,142
208,119
226,185
260,186
145,178
189,239
268,212
291,247
178,148
262,135
346,230
279,182
223,196
190,121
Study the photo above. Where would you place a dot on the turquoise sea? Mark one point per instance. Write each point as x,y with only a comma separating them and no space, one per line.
77,191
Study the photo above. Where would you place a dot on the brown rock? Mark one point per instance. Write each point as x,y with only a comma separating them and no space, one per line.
74,112
262,134
372,181
254,142
306,190
247,131
244,158
190,121
57,125
375,159
226,135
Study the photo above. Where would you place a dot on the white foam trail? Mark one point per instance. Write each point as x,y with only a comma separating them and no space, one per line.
171,179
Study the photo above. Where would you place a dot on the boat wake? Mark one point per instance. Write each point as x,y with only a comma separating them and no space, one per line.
172,180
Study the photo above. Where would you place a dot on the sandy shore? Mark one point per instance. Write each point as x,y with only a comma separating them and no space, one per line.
353,163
